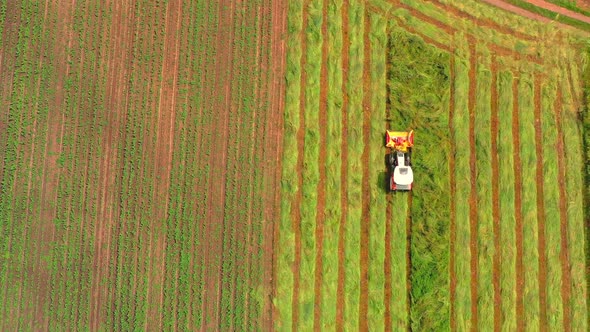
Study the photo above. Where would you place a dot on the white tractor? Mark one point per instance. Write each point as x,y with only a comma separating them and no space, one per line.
401,176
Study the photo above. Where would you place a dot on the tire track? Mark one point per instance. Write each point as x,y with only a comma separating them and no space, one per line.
496,198
473,196
453,185
296,204
566,277
366,193
540,206
387,266
343,171
520,323
320,215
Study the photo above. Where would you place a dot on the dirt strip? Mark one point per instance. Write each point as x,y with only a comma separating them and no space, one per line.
343,171
525,13
559,10
165,134
566,277
277,102
520,323
296,204
473,197
366,192
320,214
496,198
540,206
453,228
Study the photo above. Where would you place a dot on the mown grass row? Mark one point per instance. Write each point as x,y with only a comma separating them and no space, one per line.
378,39
485,228
463,181
333,166
289,178
507,201
575,213
419,97
398,304
528,157
356,146
310,171
551,201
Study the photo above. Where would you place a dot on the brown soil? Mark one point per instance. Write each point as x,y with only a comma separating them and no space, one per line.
165,139
540,207
560,10
473,197
566,277
102,240
520,323
343,172
295,205
366,192
453,188
320,216
277,102
522,12
496,199
219,162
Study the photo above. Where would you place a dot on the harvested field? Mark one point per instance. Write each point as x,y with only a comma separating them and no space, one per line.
487,239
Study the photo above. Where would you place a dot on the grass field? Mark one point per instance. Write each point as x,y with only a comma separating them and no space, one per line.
492,236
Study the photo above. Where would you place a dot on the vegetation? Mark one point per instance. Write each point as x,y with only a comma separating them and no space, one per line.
418,84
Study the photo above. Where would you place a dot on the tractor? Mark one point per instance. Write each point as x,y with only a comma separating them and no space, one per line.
399,159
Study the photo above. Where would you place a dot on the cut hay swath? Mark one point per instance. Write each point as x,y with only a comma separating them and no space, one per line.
407,63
